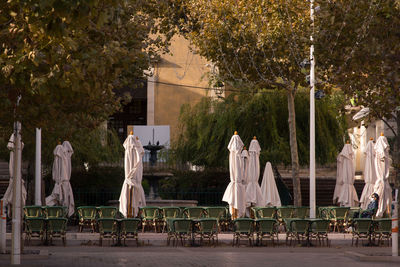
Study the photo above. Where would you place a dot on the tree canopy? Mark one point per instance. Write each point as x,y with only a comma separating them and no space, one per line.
66,59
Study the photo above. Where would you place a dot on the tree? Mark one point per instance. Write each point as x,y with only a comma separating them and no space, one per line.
255,44
66,59
358,49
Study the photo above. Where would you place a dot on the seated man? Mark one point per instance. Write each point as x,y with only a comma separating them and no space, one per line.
371,208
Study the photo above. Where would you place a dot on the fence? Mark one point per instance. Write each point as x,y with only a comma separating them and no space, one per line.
98,198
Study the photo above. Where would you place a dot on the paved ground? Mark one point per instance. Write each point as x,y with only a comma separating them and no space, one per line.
83,250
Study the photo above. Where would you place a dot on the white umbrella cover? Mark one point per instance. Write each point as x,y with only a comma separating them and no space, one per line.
254,196
8,195
268,188
62,192
369,175
131,165
346,191
245,169
382,186
139,197
235,193
364,112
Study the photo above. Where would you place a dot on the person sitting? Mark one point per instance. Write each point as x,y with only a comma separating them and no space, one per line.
371,208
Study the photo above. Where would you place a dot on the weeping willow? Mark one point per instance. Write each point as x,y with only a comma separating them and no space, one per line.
206,128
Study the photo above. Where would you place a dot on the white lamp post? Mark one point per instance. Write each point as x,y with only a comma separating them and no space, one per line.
312,118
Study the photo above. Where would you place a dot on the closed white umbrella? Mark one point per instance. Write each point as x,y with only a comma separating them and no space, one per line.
382,186
245,169
139,197
235,193
127,203
62,192
369,175
8,195
347,194
254,196
268,188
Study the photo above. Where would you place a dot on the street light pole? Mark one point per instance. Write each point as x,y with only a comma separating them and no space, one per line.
312,118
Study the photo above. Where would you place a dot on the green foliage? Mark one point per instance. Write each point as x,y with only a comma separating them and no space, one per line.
66,59
207,127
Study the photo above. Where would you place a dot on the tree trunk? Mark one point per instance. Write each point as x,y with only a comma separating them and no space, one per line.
293,147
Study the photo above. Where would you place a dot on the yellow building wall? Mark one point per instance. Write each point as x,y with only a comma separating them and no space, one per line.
172,76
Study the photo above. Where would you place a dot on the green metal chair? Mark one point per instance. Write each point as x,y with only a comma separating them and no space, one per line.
129,229
296,229
264,212
182,229
324,213
108,228
267,228
107,212
194,212
87,217
55,212
339,217
208,229
150,217
284,213
219,213
361,229
382,230
168,213
301,212
243,228
34,227
57,227
319,229
33,212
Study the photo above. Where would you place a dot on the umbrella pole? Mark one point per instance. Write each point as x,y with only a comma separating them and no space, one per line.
129,215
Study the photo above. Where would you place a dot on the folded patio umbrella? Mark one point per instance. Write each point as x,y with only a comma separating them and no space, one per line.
235,193
268,188
382,186
127,204
8,195
369,174
345,192
254,196
139,197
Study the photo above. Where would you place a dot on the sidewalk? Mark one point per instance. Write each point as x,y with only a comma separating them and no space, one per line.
82,250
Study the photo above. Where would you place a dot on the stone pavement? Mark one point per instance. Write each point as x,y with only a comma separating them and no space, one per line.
82,250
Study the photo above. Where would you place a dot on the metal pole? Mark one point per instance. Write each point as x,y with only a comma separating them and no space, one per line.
312,118
395,227
3,229
38,170
16,214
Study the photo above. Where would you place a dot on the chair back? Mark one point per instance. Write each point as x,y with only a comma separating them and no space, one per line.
55,212
243,226
383,226
362,225
264,212
107,225
57,225
107,212
299,226
194,212
285,212
33,212
182,226
87,212
130,225
320,226
266,225
352,211
216,212
150,212
208,225
302,212
171,212
35,225
340,213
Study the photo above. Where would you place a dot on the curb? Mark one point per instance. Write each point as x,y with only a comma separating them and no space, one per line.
372,258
